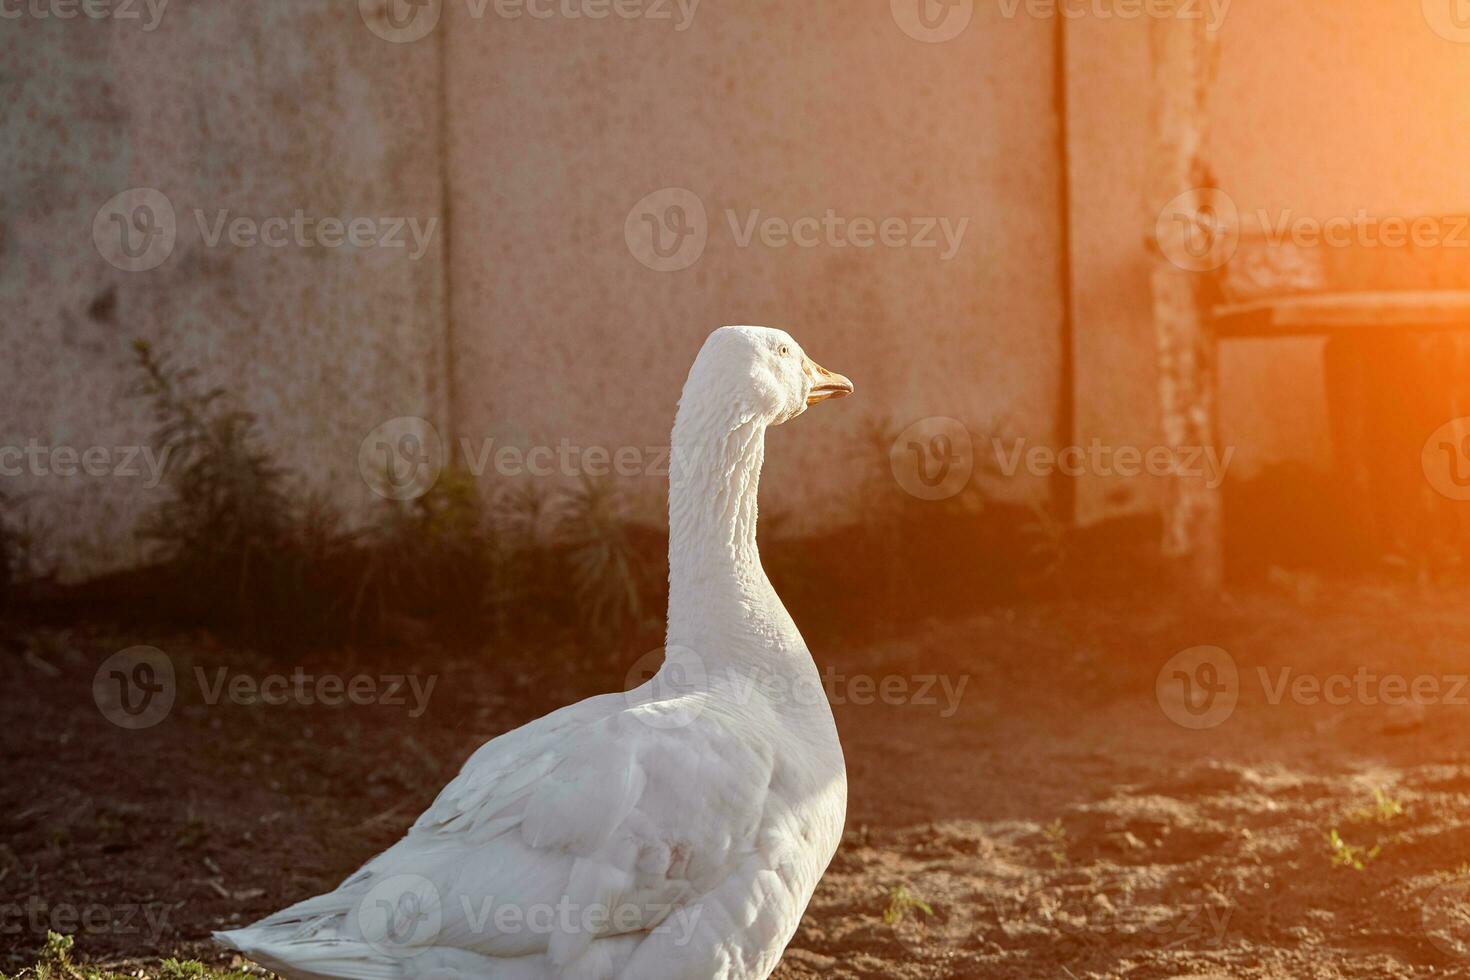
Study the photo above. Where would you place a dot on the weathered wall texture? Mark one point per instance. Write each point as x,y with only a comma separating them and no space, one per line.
255,109
544,320
560,126
1320,110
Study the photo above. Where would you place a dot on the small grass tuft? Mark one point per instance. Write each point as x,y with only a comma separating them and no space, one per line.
901,900
55,963
1384,810
1345,855
1057,842
194,970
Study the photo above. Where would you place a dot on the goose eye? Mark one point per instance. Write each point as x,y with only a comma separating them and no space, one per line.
784,350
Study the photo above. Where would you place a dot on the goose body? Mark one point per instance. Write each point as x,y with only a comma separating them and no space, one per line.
676,831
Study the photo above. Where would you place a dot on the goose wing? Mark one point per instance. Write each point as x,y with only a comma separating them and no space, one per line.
606,819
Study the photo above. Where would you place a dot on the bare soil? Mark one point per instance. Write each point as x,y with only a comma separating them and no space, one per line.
1057,823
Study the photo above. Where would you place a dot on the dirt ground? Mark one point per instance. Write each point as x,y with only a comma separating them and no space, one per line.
1048,819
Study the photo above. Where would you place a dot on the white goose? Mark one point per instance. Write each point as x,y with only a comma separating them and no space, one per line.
676,831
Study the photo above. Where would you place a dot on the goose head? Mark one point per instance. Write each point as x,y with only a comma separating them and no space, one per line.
762,373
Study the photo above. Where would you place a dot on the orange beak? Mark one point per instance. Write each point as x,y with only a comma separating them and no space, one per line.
825,384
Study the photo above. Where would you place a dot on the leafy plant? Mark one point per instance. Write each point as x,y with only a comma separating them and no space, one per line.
608,573
172,969
521,573
55,963
228,521
11,547
1057,842
1050,545
1384,810
427,557
1345,855
20,540
901,900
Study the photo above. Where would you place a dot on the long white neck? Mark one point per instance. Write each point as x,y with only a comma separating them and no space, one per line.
718,592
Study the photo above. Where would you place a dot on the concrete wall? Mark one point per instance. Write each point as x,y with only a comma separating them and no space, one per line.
543,324
256,109
560,126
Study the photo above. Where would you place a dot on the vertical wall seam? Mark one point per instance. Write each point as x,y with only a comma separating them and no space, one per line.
450,422
1064,487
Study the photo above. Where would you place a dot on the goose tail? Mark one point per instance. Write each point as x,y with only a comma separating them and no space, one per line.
312,941
315,940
